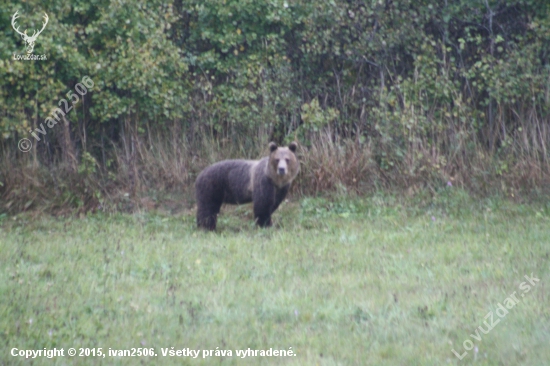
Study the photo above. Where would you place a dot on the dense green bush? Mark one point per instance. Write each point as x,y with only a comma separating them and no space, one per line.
431,88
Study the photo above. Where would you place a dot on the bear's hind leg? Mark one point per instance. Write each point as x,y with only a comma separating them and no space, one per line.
207,216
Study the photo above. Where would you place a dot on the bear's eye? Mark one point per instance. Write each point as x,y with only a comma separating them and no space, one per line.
287,160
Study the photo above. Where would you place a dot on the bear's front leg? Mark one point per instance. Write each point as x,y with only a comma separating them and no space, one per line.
263,197
262,211
263,220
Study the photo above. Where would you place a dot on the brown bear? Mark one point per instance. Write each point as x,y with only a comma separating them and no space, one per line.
264,182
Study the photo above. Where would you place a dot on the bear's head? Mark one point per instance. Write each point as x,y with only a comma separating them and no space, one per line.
283,166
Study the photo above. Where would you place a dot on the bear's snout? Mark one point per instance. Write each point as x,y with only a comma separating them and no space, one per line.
282,167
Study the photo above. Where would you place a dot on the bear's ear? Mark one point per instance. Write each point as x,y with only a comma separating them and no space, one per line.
272,146
293,145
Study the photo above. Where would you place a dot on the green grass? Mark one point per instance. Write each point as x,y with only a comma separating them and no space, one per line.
357,282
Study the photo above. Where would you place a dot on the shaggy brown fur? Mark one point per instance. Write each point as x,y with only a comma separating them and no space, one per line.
264,182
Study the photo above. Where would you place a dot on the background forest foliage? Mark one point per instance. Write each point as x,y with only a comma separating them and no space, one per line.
384,94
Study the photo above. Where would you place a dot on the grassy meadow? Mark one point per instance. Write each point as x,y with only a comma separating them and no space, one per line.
365,281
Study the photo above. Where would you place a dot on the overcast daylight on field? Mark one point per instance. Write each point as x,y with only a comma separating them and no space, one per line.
278,182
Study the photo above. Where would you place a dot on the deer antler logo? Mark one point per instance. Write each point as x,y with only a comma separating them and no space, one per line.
30,40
